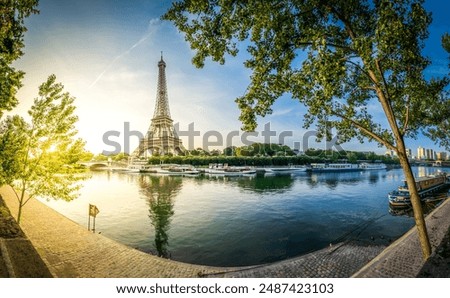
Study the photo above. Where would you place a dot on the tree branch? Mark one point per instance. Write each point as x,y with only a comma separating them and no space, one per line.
377,63
344,20
405,125
26,201
329,44
363,71
367,131
15,192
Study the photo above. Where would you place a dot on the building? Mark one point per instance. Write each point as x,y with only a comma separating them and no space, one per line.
441,156
409,153
390,153
429,153
421,153
161,137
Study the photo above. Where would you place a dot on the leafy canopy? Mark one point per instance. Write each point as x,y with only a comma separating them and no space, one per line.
12,141
339,58
41,158
446,42
12,29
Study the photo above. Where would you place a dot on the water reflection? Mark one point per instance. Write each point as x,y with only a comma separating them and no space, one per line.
239,221
332,180
373,177
427,207
160,192
425,171
266,183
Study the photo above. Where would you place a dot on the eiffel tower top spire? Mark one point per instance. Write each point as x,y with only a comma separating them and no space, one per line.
162,99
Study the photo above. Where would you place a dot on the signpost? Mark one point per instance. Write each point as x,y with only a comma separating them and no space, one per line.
93,211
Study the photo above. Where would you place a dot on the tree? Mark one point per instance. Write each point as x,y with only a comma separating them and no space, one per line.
352,157
46,152
446,42
229,151
12,140
12,29
215,152
120,157
194,152
100,157
335,57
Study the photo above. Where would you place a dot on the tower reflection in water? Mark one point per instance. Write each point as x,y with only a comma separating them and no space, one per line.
160,192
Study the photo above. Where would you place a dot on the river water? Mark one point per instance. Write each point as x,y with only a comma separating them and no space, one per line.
235,221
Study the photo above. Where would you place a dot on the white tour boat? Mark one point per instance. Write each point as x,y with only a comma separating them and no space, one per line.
372,166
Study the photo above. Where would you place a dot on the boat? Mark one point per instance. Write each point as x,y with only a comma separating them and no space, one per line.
137,166
435,198
426,186
372,166
120,169
232,172
429,203
177,170
133,168
130,168
225,170
334,167
285,170
148,169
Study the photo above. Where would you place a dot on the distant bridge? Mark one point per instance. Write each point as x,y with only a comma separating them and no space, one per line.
103,164
429,163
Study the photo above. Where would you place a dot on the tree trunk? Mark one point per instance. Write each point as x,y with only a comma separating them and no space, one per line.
19,215
415,201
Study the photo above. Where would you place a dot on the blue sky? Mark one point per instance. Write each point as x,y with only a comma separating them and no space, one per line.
106,53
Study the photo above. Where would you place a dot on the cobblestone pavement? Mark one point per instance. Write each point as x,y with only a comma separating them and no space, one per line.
341,260
403,258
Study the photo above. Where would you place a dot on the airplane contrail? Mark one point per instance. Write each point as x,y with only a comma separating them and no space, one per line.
151,29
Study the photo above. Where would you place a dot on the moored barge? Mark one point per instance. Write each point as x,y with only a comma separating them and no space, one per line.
426,186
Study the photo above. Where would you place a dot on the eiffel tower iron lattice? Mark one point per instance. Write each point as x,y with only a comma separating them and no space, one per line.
161,137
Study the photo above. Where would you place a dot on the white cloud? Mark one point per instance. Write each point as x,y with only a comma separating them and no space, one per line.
282,112
151,31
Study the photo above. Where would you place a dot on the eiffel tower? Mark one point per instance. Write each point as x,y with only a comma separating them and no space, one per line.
161,137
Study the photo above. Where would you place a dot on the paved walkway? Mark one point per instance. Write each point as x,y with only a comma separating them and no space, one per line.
69,250
403,258
341,260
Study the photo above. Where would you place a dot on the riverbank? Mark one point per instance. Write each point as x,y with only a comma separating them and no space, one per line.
69,250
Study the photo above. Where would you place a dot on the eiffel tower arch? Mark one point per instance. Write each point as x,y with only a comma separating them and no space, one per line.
161,137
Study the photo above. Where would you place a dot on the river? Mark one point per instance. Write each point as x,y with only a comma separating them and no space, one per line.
236,221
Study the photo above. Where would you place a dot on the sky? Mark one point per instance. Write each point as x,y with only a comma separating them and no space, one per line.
105,52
